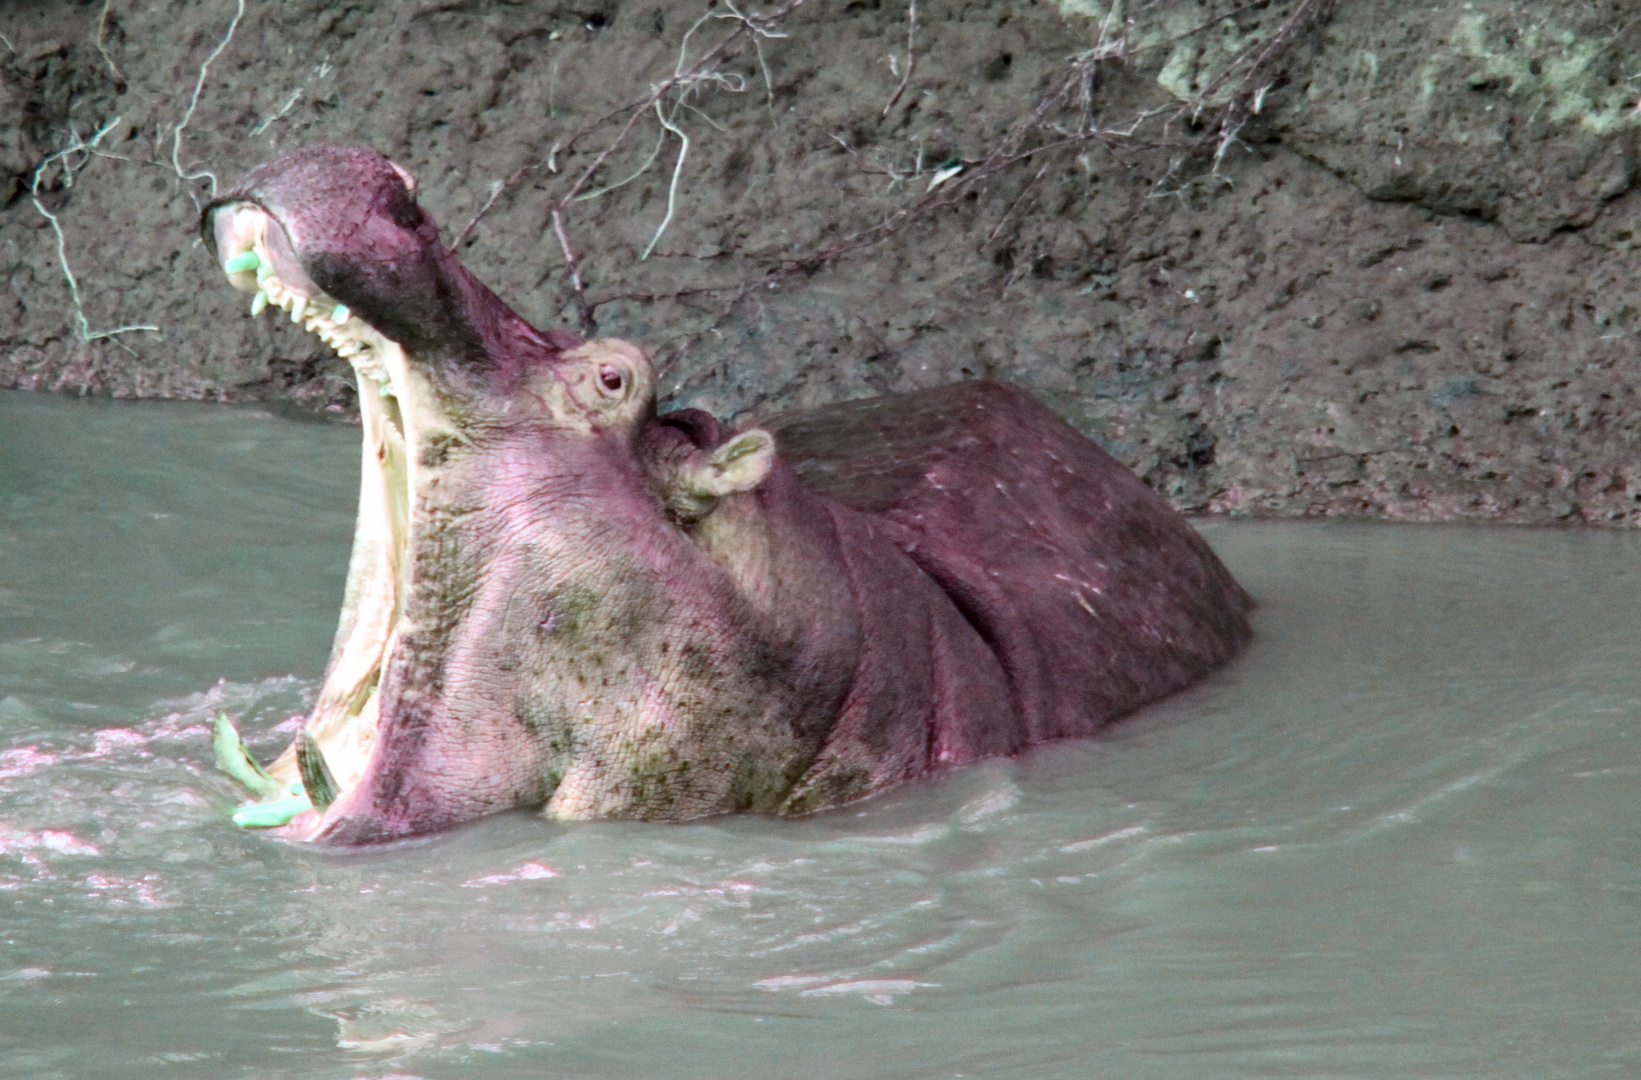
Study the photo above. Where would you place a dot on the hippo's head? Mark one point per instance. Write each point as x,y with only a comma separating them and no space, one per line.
528,617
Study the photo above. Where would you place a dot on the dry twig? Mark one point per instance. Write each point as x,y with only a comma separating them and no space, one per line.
911,58
584,312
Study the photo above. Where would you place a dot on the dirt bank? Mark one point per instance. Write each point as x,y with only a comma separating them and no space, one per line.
1405,288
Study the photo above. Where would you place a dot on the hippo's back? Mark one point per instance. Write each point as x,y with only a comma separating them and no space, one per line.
1095,594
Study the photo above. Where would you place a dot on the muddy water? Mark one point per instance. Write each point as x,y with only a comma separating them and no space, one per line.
1400,838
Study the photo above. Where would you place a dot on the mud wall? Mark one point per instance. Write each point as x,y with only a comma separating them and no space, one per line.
1405,288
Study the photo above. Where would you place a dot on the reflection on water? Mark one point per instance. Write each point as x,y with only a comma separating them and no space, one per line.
1397,839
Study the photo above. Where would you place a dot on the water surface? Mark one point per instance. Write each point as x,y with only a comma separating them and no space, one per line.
1398,838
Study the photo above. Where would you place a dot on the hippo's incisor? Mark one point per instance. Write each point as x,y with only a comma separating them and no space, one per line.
559,597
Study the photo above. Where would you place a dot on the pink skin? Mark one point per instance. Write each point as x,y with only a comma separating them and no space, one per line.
618,613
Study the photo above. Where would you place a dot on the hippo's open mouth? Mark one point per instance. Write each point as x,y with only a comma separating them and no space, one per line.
401,414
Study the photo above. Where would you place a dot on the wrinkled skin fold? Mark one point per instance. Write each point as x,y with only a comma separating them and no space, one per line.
560,598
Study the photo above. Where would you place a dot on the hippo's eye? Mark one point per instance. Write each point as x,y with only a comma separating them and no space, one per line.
610,378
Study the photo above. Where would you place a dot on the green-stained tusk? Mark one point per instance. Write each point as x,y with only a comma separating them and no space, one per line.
318,786
259,304
237,762
340,313
263,272
245,260
268,815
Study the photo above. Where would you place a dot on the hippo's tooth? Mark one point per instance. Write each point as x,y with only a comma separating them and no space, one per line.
268,815
264,269
299,306
259,303
340,314
245,260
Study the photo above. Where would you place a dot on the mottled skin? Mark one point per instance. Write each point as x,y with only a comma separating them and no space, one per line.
613,613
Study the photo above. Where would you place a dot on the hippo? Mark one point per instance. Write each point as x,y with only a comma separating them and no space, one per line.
561,597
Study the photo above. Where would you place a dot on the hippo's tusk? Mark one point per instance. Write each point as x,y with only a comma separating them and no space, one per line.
270,815
237,762
316,778
279,803
245,260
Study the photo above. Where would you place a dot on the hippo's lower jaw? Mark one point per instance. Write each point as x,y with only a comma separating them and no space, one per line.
401,415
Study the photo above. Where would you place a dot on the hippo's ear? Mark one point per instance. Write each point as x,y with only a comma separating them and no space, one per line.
692,487
738,465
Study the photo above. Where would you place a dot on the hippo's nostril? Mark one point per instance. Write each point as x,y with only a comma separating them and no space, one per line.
611,378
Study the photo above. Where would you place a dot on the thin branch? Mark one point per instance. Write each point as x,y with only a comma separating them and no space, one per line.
584,312
1018,199
911,58
660,141
495,192
750,29
1252,84
290,103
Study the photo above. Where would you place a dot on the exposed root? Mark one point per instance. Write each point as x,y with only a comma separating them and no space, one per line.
102,29
687,77
672,188
68,162
1062,121
193,103
68,167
